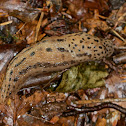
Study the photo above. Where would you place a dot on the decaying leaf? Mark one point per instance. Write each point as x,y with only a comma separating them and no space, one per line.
83,77
24,12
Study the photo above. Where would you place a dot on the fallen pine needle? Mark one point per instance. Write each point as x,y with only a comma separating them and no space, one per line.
38,26
20,28
117,34
6,23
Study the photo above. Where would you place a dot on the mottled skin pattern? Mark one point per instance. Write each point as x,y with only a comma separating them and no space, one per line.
53,54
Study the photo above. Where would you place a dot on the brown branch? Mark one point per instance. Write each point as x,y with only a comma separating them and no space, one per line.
74,111
82,102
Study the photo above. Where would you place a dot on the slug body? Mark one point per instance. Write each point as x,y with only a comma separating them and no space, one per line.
53,54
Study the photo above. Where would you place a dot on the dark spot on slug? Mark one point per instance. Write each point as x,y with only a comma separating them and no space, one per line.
80,33
10,93
73,47
38,43
11,72
38,65
82,46
15,79
82,38
62,64
4,91
88,38
9,85
100,47
44,41
89,55
62,49
98,54
79,50
80,55
73,39
20,73
46,65
55,65
71,50
60,40
81,41
23,71
76,45
69,45
20,62
32,54
48,49
35,66
96,40
27,49
89,47
95,50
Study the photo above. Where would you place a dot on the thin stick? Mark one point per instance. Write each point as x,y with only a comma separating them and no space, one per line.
118,35
20,29
38,26
74,111
5,23
81,102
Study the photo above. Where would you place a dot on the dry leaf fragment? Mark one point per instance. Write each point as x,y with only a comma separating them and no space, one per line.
101,122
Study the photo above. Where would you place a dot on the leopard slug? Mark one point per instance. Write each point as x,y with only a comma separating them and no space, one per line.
53,54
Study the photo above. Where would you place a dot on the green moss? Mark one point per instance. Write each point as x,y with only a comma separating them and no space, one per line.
84,76
7,37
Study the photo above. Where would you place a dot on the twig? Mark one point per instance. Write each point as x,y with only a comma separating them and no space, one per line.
38,118
81,102
5,23
80,29
20,29
38,26
118,35
102,17
120,48
74,111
